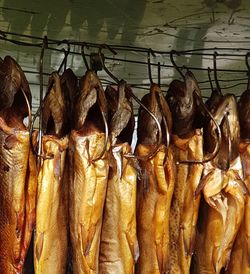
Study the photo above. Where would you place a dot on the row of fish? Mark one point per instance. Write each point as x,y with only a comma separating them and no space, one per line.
178,204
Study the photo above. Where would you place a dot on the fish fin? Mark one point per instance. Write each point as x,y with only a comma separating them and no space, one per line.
201,185
192,242
248,251
39,246
19,224
30,204
133,245
160,172
89,240
10,141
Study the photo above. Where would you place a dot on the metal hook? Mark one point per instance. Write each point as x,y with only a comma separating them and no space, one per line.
172,52
103,63
39,112
215,72
248,70
156,148
44,45
209,77
159,73
66,53
29,108
150,51
84,56
229,142
218,143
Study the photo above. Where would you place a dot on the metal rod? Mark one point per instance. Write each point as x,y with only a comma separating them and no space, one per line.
132,48
127,60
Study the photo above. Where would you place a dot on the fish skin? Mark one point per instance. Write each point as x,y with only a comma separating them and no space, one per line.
240,256
155,188
224,192
87,191
226,201
185,205
119,247
50,244
15,224
153,209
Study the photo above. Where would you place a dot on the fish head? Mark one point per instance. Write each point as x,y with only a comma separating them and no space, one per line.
120,108
244,114
182,103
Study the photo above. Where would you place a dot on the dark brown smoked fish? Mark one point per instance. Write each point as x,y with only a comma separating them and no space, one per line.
155,188
18,175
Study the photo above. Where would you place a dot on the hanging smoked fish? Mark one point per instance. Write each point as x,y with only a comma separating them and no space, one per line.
155,188
119,247
89,167
50,249
223,190
18,175
240,257
187,142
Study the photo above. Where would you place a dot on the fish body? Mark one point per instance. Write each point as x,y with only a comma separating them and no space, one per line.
87,191
185,205
50,245
222,217
224,193
153,210
17,194
119,247
156,185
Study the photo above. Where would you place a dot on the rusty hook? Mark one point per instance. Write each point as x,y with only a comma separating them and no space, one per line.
172,52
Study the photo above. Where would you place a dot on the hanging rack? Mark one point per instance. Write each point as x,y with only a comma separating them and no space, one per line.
197,51
50,42
53,43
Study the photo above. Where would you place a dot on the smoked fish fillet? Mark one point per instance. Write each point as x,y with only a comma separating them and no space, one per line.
224,192
154,200
50,246
156,185
18,183
185,206
18,173
87,192
119,247
240,256
88,172
225,198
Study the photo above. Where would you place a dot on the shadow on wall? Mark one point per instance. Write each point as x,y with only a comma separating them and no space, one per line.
194,38
49,17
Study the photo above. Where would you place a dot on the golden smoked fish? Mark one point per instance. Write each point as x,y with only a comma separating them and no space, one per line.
185,206
224,193
240,256
18,175
119,247
50,246
50,250
155,188
187,145
88,175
